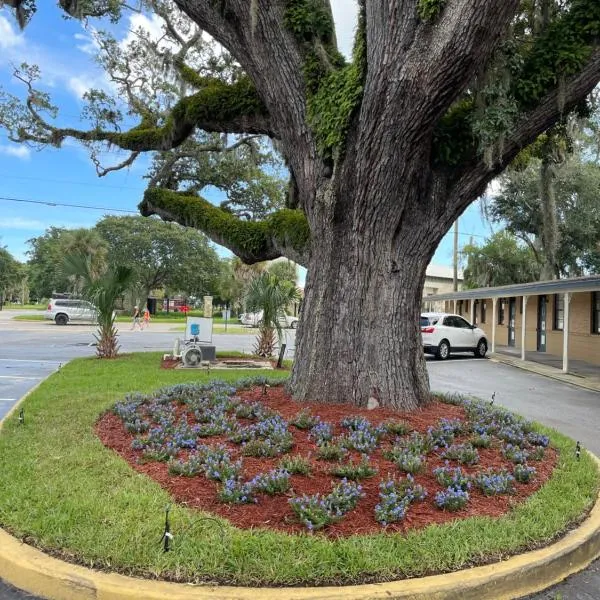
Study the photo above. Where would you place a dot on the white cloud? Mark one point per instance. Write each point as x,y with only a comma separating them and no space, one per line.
18,151
89,44
80,84
20,223
9,36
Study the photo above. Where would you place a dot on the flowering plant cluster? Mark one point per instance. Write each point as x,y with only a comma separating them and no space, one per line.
322,432
515,454
354,471
492,482
512,435
364,438
304,419
452,499
331,451
405,459
235,491
395,427
318,511
481,440
395,497
296,465
454,478
523,473
537,439
464,454
416,442
274,482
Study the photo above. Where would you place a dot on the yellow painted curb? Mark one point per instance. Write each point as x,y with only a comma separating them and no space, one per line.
35,572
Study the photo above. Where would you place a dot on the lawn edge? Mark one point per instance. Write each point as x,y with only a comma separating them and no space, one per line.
35,572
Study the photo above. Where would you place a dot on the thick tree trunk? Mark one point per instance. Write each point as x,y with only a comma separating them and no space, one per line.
359,336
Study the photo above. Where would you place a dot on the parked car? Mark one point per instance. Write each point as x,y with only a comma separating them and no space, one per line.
63,310
255,320
444,334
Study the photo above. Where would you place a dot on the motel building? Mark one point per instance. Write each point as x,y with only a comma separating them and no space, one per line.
560,318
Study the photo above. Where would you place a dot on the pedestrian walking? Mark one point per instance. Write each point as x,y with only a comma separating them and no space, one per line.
146,321
136,318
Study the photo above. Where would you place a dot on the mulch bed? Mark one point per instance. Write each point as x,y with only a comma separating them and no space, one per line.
274,512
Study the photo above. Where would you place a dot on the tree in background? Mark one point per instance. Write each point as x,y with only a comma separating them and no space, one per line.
12,273
285,270
270,295
161,254
384,151
521,207
104,291
501,260
47,253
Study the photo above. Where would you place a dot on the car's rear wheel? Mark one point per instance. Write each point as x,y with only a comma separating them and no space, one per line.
481,349
61,319
443,350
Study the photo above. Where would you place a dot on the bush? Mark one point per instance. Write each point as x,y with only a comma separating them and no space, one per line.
353,471
331,452
492,482
452,499
296,465
464,454
395,497
304,419
523,473
454,478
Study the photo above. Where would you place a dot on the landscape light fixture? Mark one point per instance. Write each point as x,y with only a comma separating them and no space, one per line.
167,535
22,417
578,450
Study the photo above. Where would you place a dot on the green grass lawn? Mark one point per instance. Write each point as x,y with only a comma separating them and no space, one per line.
10,306
31,317
63,491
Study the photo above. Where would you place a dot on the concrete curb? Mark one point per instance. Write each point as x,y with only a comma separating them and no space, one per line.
37,573
545,371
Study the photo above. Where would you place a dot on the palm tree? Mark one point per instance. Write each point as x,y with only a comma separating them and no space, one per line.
270,295
103,290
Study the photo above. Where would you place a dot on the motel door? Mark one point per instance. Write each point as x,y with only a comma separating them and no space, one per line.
512,311
541,324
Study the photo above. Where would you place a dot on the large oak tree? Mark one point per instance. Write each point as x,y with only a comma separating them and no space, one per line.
384,152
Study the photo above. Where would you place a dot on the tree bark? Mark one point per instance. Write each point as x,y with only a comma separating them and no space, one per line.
359,337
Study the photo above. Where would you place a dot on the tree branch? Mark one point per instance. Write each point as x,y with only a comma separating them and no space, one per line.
284,233
217,107
473,177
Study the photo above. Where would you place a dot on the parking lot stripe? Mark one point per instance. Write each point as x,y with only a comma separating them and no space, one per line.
17,377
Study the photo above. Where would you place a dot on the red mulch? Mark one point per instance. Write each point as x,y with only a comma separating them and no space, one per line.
274,511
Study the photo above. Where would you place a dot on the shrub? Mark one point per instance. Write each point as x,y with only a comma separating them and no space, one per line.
406,460
417,443
515,454
537,439
464,454
492,482
217,464
296,465
275,482
188,467
264,448
395,427
353,471
452,499
304,419
482,440
322,432
524,473
331,452
537,453
455,478
235,491
512,435
363,439
395,497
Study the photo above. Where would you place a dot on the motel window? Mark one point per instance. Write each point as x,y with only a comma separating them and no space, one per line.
501,311
483,311
459,307
559,311
595,312
475,303
521,305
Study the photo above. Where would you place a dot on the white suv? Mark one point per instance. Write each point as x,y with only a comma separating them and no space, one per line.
61,311
444,333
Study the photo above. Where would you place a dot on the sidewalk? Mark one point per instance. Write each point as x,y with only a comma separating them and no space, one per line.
581,373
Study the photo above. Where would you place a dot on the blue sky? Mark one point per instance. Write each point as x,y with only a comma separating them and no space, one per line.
62,50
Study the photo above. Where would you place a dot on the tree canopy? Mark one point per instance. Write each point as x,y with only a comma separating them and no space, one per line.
11,274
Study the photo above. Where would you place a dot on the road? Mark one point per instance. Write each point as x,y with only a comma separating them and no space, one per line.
31,351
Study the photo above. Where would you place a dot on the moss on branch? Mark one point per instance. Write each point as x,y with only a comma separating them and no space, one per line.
285,232
334,88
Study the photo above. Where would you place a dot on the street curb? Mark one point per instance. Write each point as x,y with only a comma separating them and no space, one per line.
543,373
37,573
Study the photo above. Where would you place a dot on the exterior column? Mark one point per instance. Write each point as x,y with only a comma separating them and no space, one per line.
567,301
472,311
494,321
455,305
523,326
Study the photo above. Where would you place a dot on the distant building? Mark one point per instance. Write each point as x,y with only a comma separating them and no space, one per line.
439,279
